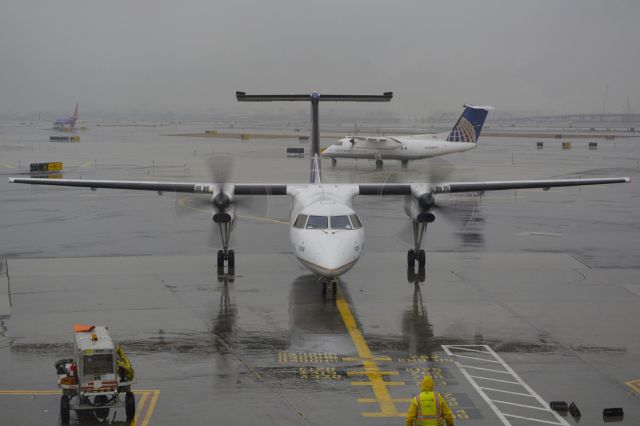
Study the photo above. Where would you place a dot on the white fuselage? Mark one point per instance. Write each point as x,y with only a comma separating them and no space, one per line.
326,235
402,148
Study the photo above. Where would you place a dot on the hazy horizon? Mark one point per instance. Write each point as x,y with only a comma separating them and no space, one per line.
545,56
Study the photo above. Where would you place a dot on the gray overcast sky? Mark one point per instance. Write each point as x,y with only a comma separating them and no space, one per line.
110,55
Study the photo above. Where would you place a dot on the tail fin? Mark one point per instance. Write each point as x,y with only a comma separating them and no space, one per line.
75,113
315,175
469,125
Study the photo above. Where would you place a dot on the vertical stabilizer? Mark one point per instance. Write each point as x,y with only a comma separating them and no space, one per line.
315,99
75,113
469,125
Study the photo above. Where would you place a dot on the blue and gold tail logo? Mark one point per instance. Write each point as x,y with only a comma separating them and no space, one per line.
469,125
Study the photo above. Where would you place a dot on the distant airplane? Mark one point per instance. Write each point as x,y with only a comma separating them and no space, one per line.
462,137
70,121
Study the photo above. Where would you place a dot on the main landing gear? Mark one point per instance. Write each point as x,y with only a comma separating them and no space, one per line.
379,163
333,162
325,286
225,255
419,228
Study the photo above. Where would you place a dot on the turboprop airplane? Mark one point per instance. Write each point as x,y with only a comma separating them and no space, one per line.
69,121
325,233
462,137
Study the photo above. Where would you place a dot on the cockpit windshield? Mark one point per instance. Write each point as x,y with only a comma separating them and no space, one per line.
325,222
318,222
340,222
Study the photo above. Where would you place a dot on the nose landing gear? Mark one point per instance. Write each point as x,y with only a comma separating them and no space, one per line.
334,286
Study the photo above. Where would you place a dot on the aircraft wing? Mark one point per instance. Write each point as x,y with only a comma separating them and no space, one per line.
363,189
194,187
407,188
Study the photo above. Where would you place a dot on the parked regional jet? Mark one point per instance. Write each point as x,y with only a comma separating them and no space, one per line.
462,137
325,233
69,121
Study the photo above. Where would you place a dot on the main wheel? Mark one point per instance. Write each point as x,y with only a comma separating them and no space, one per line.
334,288
220,259
333,162
65,409
231,259
324,288
130,405
404,163
422,258
379,163
411,258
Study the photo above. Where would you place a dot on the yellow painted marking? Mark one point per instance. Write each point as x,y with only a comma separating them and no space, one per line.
363,373
151,408
86,164
139,406
372,383
8,166
377,383
634,384
373,400
375,358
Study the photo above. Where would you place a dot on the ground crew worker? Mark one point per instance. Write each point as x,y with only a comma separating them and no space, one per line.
428,408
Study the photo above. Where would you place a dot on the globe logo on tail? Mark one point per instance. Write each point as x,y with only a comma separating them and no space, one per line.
463,132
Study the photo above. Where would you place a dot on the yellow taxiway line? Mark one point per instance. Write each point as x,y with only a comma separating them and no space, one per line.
146,415
371,370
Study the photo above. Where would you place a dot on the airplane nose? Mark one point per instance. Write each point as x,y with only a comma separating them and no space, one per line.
337,255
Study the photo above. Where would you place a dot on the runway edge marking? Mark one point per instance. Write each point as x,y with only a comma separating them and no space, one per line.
486,350
383,397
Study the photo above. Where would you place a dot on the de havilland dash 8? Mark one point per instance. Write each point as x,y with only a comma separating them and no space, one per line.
462,137
326,234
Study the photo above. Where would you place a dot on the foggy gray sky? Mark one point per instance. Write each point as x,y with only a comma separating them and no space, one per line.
550,56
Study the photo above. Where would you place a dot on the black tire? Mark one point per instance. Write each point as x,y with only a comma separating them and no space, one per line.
411,258
422,274
379,163
324,288
130,405
404,163
220,259
101,413
65,409
231,259
334,288
411,275
422,258
333,162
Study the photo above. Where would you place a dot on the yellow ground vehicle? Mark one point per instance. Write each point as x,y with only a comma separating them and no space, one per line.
93,380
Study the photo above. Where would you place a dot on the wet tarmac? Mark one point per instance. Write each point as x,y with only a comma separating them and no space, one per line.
527,297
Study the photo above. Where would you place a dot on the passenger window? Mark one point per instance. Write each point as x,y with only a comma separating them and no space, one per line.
340,222
355,220
300,221
318,222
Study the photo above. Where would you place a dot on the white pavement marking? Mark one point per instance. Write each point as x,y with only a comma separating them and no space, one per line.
553,418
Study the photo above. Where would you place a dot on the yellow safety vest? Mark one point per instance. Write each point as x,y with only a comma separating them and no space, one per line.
428,409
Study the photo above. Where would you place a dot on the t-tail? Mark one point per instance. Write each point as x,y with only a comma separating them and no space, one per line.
469,125
75,113
315,99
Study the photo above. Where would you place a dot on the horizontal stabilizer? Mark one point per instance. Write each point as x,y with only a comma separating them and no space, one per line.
243,97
